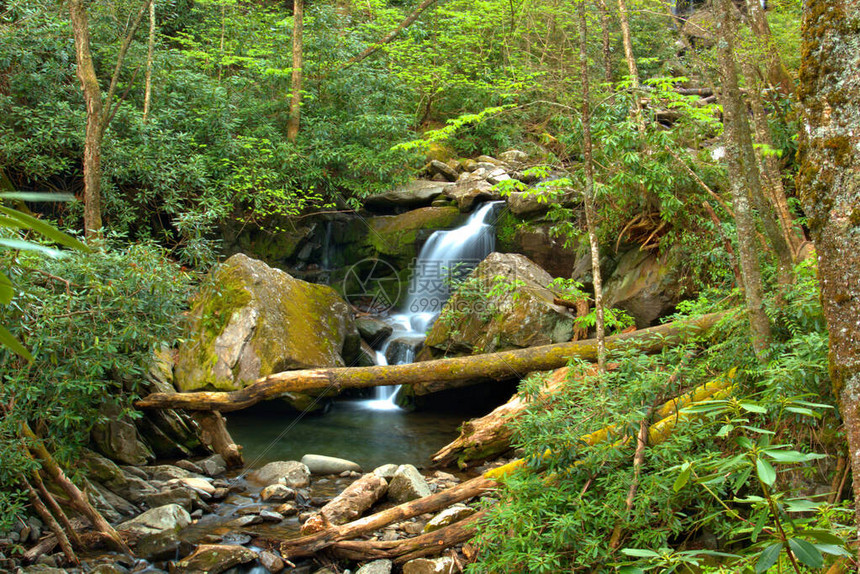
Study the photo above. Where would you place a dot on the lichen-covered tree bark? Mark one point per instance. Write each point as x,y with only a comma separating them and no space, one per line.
829,183
296,78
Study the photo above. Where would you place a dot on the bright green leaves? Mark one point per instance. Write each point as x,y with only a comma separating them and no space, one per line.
765,472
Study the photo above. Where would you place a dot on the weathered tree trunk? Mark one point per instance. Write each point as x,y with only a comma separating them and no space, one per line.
632,69
349,504
214,434
296,78
308,545
733,110
778,76
505,365
588,193
402,551
606,48
829,182
150,52
51,523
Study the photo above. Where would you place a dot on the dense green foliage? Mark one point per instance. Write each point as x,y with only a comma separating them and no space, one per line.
91,322
783,402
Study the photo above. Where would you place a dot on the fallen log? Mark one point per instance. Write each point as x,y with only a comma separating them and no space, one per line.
504,365
308,545
348,505
490,436
410,548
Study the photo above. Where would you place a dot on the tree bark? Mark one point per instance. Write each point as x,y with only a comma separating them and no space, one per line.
632,69
349,504
749,261
778,76
296,78
588,193
214,434
606,48
829,183
505,365
150,51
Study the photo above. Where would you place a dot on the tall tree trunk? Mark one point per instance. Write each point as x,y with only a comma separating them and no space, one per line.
748,167
778,76
606,48
296,83
632,69
86,73
147,91
590,212
829,183
735,117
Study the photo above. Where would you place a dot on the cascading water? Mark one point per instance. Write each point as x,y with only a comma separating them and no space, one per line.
446,255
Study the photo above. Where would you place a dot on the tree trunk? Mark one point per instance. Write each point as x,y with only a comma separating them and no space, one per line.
506,365
86,73
296,79
778,76
632,69
829,183
214,434
348,505
606,48
735,117
150,51
590,211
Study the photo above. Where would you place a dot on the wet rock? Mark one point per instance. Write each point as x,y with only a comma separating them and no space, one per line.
645,285
170,517
525,316
407,484
442,565
250,520
396,236
498,175
200,485
403,349
116,437
514,156
42,569
236,538
437,167
417,193
181,496
287,509
413,528
277,493
469,190
256,321
189,466
319,464
291,473
373,330
376,567
109,569
167,472
214,559
386,471
270,516
449,516
529,203
271,561
213,465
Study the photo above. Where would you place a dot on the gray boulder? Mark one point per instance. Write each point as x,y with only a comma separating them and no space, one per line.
290,473
469,190
417,193
407,484
373,330
376,567
168,518
319,464
214,559
442,565
213,465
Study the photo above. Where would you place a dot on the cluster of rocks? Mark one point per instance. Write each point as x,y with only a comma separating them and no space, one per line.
190,517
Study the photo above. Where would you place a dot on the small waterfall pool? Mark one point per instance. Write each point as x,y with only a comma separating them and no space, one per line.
375,431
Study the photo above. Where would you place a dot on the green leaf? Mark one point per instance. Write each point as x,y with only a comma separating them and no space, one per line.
833,550
629,570
45,229
640,552
752,407
30,246
806,552
683,478
766,472
792,455
36,197
768,557
725,430
801,505
824,536
7,291
803,411
9,341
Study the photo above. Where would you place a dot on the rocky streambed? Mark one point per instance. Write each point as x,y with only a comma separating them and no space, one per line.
196,516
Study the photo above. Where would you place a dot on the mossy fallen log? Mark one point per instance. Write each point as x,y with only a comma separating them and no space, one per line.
436,375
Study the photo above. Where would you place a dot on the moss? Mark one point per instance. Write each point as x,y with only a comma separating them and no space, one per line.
506,231
218,301
854,218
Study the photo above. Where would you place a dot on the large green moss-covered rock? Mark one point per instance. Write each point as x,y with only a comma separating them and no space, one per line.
253,320
505,305
645,285
396,236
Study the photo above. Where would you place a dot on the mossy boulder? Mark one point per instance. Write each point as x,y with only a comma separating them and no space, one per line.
645,285
253,320
396,236
504,304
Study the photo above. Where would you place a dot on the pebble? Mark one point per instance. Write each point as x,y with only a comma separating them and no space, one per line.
270,516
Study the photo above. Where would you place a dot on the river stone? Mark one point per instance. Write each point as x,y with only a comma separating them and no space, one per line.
197,484
116,437
498,175
467,191
436,167
271,561
290,473
376,567
165,472
170,517
441,565
277,493
386,471
181,496
214,559
320,464
514,156
407,484
256,321
213,465
120,481
373,330
510,319
448,516
529,203
416,193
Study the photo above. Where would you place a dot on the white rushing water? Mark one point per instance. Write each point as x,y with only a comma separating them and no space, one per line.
446,254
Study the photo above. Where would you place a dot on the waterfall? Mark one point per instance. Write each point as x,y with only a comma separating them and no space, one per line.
446,254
